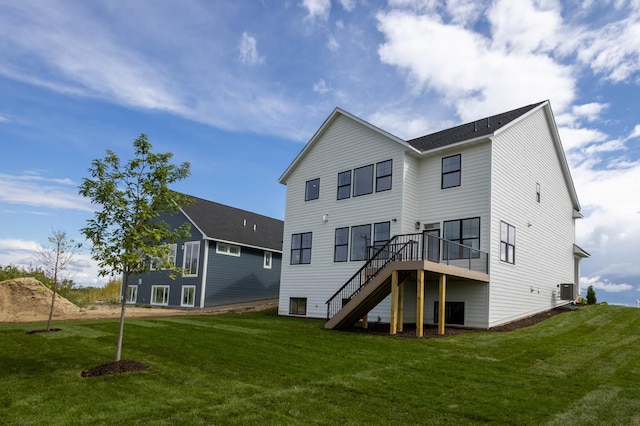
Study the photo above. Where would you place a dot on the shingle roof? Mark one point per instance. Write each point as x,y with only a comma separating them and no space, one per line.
220,222
472,130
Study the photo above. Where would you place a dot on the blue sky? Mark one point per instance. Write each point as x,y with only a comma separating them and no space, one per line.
237,88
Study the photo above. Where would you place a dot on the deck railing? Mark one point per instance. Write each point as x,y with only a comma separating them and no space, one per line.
407,247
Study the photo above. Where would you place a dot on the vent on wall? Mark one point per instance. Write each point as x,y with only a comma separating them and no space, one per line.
566,291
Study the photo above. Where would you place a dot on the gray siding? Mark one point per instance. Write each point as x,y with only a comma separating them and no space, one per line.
233,279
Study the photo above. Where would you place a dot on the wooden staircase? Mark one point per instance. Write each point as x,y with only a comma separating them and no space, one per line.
405,254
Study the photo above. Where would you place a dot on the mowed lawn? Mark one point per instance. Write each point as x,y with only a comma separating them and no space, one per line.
580,367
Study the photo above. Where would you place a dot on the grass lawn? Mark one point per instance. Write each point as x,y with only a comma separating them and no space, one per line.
579,368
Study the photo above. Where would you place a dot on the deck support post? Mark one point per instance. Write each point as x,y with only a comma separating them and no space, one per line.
365,321
394,303
420,303
441,303
400,306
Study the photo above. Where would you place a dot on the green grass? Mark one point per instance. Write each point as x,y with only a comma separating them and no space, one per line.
578,368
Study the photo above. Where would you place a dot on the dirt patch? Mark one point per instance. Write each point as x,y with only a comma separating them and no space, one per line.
431,331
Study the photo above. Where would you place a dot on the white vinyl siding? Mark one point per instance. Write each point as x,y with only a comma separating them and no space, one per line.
358,146
524,156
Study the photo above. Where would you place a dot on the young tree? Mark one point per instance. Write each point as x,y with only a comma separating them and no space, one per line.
55,259
591,296
125,230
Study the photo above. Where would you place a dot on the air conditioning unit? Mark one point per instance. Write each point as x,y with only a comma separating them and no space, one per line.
567,291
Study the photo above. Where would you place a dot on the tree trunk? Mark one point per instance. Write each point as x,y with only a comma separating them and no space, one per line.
123,307
53,301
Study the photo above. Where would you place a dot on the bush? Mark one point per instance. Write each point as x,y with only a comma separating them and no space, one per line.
591,296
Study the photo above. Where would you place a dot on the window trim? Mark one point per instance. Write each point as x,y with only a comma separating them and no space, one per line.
379,177
188,287
165,302
307,195
266,264
184,258
301,249
457,171
225,248
297,306
336,245
508,243
132,288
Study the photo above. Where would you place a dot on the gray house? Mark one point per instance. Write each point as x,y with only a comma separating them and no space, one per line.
232,256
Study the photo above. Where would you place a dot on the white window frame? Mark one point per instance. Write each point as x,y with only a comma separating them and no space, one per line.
228,249
268,260
193,302
171,258
165,301
184,257
132,290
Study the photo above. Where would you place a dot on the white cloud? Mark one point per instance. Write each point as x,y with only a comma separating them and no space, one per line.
575,138
34,190
4,119
348,5
490,80
317,9
635,133
603,284
332,44
249,50
321,87
590,111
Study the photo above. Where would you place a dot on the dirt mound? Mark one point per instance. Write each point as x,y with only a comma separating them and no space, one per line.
27,299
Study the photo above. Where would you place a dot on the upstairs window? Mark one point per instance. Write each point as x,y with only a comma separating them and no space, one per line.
268,258
383,175
363,180
451,171
301,248
507,243
229,249
191,258
157,262
312,190
344,185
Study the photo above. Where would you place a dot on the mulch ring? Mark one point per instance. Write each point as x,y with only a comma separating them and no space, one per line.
51,330
431,331
122,366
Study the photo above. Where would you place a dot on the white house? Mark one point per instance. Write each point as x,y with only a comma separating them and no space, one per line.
472,226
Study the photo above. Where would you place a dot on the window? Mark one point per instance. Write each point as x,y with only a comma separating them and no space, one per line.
301,248
451,167
268,257
188,296
341,247
381,237
363,180
298,306
383,175
538,192
229,249
312,190
507,243
160,295
132,294
157,262
344,185
465,232
453,313
360,241
191,258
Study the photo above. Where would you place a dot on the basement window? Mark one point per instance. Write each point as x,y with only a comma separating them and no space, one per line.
453,313
298,306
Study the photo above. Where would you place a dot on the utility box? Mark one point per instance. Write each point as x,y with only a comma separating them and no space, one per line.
567,291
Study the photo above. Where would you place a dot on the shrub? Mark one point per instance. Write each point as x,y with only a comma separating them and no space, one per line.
591,296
